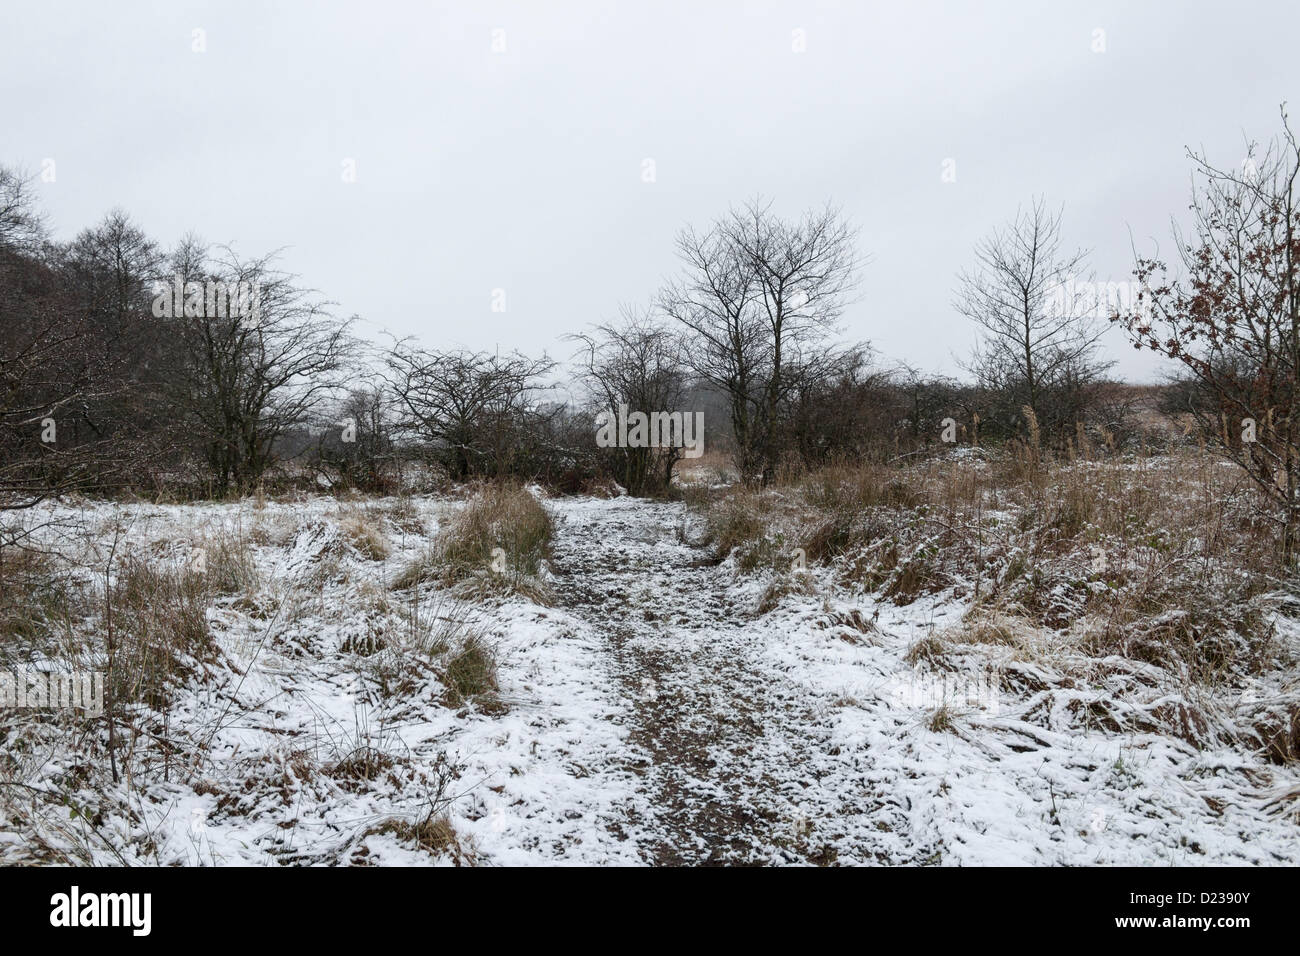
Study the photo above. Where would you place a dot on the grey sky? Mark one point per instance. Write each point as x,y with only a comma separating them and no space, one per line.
522,170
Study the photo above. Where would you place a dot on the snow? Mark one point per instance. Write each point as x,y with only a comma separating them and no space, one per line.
651,715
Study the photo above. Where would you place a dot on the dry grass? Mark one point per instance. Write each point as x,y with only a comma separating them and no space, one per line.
781,586
421,639
927,650
470,671
990,628
158,616
1161,560
496,542
502,516
40,606
433,834
403,514
228,564
362,765
364,533
941,720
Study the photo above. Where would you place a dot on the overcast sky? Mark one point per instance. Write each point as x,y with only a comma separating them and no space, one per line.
524,169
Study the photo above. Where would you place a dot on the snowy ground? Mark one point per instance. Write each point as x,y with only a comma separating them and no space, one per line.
652,715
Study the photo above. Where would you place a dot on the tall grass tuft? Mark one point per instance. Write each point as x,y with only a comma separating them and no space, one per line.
499,538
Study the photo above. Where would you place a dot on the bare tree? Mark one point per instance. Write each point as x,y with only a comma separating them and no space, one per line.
639,363
22,225
473,408
1039,342
1232,320
255,370
110,271
761,296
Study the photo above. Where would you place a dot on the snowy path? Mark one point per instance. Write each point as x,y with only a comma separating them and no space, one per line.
733,756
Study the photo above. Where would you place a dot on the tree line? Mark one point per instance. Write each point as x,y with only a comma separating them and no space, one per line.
103,391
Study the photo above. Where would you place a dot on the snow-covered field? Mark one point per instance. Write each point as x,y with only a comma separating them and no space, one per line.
648,713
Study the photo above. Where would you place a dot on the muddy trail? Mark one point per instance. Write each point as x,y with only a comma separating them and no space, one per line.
730,756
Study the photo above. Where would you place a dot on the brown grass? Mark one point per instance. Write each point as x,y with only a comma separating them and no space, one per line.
470,672
497,541
363,532
39,604
1164,560
160,629
434,834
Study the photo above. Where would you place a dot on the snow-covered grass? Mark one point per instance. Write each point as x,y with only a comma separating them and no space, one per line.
966,661
318,716
1138,604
